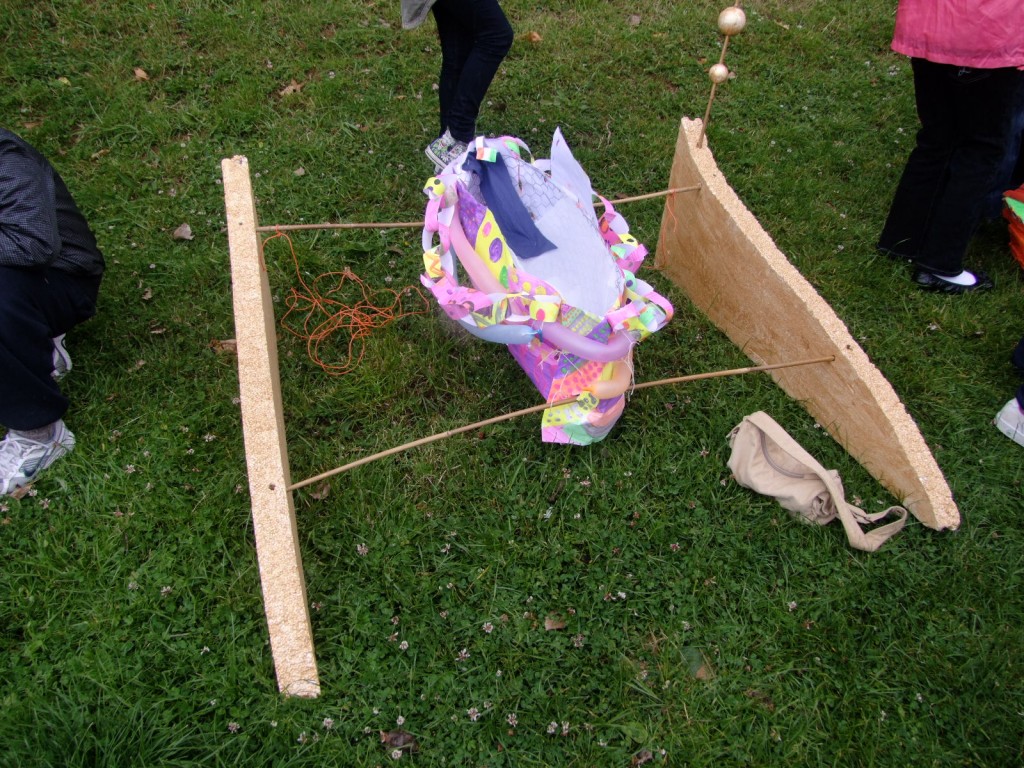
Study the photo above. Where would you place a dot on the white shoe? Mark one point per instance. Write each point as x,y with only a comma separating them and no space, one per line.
443,150
1010,421
21,459
61,358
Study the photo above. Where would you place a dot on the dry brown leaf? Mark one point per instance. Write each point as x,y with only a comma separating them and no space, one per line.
99,153
761,698
533,37
31,125
399,740
554,621
140,74
704,672
229,346
634,20
147,294
322,491
21,491
183,232
642,757
292,87
300,171
697,663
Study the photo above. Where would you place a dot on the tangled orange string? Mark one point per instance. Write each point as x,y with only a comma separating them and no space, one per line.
323,315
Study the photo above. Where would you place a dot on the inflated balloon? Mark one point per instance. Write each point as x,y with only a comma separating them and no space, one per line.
620,376
617,346
499,333
544,275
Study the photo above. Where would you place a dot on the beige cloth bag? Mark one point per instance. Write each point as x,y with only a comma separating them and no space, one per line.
767,460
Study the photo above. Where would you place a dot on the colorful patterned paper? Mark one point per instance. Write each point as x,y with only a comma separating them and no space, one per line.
581,348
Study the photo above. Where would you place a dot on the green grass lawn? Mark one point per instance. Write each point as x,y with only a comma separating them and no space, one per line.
702,624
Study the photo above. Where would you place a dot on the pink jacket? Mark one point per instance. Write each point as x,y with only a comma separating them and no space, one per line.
985,34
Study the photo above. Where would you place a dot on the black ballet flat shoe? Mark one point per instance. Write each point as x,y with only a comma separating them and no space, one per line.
929,281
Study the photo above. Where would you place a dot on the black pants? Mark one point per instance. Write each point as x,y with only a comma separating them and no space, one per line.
1018,362
966,125
475,37
1011,171
35,306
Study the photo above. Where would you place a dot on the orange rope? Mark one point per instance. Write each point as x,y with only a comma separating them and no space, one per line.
323,315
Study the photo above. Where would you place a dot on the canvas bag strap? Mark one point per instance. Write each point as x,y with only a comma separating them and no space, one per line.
849,515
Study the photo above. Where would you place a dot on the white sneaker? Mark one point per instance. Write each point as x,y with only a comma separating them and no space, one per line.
21,459
1010,421
443,150
61,358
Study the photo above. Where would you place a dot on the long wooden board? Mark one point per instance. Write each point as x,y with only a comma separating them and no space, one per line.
714,249
266,449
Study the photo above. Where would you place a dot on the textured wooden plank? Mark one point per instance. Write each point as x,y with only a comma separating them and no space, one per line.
266,453
714,249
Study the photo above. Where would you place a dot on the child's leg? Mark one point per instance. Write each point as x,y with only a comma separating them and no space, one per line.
34,307
475,38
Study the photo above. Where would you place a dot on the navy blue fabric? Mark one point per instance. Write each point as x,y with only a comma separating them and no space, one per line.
515,222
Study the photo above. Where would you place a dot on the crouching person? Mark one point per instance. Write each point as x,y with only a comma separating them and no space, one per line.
50,272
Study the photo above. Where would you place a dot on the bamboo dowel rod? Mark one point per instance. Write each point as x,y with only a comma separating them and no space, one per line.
411,224
344,225
733,372
543,407
652,195
707,115
711,98
430,439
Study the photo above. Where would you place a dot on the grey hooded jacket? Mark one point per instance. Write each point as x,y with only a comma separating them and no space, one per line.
414,12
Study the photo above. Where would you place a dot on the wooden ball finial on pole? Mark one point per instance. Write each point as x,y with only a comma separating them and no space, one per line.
731,21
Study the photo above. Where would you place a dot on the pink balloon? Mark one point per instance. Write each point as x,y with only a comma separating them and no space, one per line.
616,348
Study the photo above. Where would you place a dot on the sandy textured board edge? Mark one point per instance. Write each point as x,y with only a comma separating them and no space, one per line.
714,249
266,456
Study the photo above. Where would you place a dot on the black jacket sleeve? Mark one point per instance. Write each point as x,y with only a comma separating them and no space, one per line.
29,233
